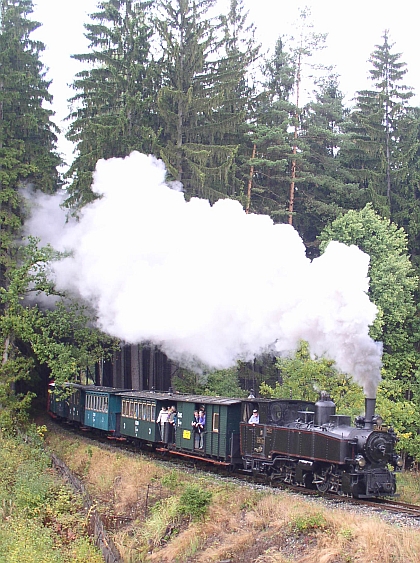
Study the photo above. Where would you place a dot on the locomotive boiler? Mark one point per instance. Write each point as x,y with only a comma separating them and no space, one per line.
310,445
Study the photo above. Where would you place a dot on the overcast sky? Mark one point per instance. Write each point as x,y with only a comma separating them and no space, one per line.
354,28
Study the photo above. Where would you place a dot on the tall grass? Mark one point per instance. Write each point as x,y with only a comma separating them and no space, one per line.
185,516
40,520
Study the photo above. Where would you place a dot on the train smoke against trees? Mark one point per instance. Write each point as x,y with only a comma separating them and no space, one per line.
208,284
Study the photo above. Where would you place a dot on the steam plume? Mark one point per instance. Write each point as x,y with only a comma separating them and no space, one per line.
208,283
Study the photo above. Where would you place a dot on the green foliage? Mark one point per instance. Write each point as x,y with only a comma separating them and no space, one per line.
194,502
392,277
40,520
302,524
61,338
303,378
27,134
170,480
198,106
116,95
224,383
393,283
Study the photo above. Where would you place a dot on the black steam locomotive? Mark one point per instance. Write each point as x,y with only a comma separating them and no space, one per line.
290,441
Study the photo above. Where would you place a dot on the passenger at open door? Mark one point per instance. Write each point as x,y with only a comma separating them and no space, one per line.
201,425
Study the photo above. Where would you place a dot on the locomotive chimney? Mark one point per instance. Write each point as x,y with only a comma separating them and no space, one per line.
370,405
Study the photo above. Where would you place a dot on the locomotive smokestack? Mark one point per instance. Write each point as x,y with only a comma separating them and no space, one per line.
370,405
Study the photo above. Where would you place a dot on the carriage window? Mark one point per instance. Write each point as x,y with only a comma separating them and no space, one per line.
148,412
124,407
131,409
216,420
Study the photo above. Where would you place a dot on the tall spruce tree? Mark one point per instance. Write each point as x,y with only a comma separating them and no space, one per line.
279,166
27,134
327,189
270,166
306,43
191,102
27,140
114,107
380,123
239,55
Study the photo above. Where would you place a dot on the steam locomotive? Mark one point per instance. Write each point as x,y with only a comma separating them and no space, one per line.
297,442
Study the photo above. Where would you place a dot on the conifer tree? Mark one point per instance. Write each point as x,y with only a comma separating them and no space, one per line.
27,134
191,102
27,142
327,190
306,44
281,146
240,54
114,107
271,163
380,122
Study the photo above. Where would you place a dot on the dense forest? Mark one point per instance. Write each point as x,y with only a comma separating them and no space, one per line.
164,78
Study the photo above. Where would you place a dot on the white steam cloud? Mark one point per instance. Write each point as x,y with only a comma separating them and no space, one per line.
208,283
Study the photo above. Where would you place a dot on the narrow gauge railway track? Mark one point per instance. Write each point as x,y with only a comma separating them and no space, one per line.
408,511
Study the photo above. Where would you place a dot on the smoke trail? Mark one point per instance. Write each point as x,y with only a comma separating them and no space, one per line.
210,284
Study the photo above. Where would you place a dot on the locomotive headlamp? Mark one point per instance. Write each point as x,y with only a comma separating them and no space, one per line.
360,460
399,461
378,420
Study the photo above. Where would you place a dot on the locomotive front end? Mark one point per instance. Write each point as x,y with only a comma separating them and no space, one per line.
375,455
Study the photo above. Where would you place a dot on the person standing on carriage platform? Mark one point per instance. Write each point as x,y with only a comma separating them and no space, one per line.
201,425
161,419
172,424
196,430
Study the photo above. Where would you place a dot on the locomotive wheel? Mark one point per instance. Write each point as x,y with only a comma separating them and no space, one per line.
324,485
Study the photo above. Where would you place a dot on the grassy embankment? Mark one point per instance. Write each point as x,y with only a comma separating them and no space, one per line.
158,514
41,521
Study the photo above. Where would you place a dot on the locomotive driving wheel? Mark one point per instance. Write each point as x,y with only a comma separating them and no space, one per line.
324,485
323,481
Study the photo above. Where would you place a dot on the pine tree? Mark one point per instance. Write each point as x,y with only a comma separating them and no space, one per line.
306,44
379,122
327,189
280,144
114,108
27,134
240,54
191,102
27,145
272,155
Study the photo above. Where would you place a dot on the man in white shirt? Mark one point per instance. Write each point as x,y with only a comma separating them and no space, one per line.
255,418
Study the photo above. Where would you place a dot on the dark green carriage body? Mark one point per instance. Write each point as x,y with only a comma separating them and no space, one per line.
220,439
58,403
138,415
77,405
140,411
